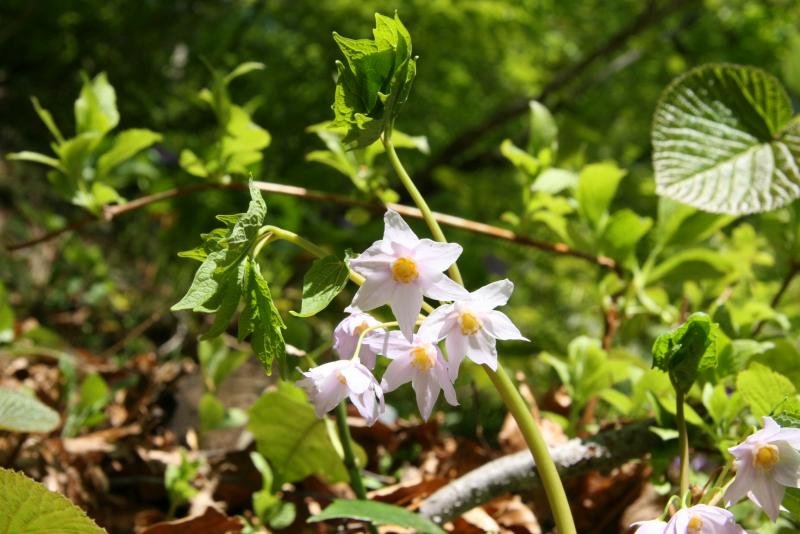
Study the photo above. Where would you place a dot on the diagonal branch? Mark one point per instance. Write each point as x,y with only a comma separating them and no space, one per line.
516,472
301,192
651,15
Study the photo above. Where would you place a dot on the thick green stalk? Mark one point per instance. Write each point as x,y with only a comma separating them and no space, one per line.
514,402
349,458
683,442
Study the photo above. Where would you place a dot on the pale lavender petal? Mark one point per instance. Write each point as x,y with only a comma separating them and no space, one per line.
375,292
440,371
330,393
397,373
787,470
358,378
427,391
482,349
766,493
397,230
770,429
390,344
650,527
437,324
440,287
741,484
373,261
456,346
492,295
406,305
789,435
500,326
433,257
366,406
367,356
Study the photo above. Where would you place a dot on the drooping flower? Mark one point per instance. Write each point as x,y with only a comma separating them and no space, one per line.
418,361
347,332
329,384
401,268
471,326
656,526
703,519
767,462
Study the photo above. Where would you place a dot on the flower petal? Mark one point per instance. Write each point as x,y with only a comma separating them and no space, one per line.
427,391
740,486
650,527
500,326
492,295
789,435
440,371
406,305
766,493
397,230
391,344
440,287
787,471
434,257
372,261
358,378
397,373
456,346
375,292
481,349
436,325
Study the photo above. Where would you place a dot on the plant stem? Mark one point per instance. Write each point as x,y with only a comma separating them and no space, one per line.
683,442
554,489
349,458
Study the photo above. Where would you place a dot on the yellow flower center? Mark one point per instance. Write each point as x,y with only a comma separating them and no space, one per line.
421,359
469,324
404,270
360,328
695,524
341,378
766,457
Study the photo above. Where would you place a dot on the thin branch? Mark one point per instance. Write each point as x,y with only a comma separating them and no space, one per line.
651,15
794,270
289,190
516,472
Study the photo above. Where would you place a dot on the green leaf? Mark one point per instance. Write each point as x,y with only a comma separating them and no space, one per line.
687,350
47,119
126,145
543,133
30,508
522,160
25,413
326,279
212,412
373,82
762,389
94,392
377,513
266,324
623,231
683,225
724,141
242,69
96,107
691,264
6,317
554,181
294,440
75,153
217,361
192,164
597,185
35,157
791,501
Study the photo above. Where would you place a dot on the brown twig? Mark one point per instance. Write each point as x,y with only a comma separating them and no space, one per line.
794,269
137,331
301,192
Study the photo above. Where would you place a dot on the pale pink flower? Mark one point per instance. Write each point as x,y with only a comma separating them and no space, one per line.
401,268
329,384
703,519
767,462
418,361
471,325
347,332
656,526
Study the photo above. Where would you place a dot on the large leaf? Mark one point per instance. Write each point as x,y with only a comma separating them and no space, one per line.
326,279
724,141
294,440
378,513
30,508
597,185
25,413
763,389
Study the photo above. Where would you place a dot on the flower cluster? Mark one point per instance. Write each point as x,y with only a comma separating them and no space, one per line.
400,270
767,462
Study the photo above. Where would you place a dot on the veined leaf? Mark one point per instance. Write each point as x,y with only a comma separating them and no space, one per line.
25,413
724,141
377,513
30,508
326,279
687,350
763,389
266,324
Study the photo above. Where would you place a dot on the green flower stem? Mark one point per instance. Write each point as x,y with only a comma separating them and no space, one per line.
349,458
683,442
556,496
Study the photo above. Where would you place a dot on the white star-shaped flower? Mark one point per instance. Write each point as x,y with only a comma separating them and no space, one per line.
347,332
767,462
703,519
329,384
401,268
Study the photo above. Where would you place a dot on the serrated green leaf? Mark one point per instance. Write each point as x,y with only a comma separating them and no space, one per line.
724,141
326,279
763,389
25,413
377,513
597,185
294,440
126,145
687,350
30,508
96,107
266,323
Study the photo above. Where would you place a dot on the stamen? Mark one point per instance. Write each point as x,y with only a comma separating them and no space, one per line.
421,358
766,457
360,328
404,270
469,324
341,378
695,524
